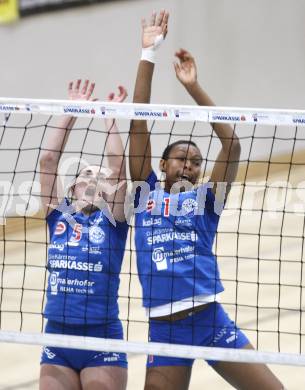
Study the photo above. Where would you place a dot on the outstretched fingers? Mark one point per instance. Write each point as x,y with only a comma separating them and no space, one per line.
111,96
85,87
153,19
144,23
164,23
78,83
70,87
177,68
184,55
90,91
123,93
160,17
76,92
120,97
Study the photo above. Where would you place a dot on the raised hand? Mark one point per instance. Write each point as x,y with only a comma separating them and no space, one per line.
155,28
76,92
112,97
186,70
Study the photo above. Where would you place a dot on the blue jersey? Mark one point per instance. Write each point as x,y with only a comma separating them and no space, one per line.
174,239
84,263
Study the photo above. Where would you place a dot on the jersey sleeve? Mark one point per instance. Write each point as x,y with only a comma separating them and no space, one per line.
151,180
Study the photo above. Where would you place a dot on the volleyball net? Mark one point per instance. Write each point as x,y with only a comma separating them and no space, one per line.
259,243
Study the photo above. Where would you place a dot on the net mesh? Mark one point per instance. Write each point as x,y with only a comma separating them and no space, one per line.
259,243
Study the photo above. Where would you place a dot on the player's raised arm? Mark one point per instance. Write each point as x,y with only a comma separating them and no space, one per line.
153,33
115,154
55,145
226,165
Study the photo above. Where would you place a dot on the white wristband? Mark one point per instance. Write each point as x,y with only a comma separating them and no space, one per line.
149,53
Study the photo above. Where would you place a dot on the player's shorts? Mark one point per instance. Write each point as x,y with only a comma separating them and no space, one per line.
210,327
78,359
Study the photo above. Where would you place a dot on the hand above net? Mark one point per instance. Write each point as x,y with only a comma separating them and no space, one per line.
185,69
153,34
76,92
112,97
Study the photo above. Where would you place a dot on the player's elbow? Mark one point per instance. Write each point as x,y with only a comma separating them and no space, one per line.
234,149
48,161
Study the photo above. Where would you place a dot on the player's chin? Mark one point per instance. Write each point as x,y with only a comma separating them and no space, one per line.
89,208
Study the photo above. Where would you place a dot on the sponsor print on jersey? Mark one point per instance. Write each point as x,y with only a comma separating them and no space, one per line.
96,234
150,205
59,247
50,355
152,222
233,336
230,336
54,282
76,265
107,356
60,228
159,258
76,235
189,205
94,250
162,257
171,235
74,286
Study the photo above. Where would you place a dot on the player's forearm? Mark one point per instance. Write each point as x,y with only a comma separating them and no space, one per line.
199,95
115,149
142,89
139,142
225,133
142,93
57,141
59,136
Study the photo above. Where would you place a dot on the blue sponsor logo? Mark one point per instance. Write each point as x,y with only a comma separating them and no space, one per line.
8,108
148,113
76,110
226,118
298,120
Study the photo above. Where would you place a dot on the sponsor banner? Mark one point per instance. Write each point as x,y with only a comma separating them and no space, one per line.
152,112
227,117
272,119
8,11
77,109
184,114
172,114
263,118
29,7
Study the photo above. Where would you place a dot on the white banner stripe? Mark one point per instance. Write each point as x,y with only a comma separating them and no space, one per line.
162,112
175,350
